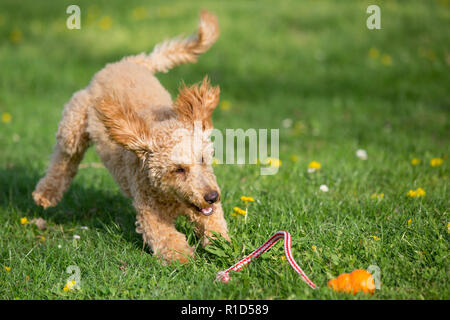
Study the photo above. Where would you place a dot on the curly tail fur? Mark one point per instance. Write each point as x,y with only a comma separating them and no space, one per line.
171,53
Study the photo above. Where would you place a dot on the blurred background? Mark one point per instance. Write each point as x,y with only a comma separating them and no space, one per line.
314,63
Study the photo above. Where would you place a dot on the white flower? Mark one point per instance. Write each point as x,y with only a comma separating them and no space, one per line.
76,237
362,154
59,246
84,228
324,188
311,170
286,123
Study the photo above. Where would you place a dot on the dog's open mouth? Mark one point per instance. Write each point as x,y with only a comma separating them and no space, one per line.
205,211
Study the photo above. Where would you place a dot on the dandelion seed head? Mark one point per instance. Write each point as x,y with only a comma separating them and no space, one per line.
287,123
361,154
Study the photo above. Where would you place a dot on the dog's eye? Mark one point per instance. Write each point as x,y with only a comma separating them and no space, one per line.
180,170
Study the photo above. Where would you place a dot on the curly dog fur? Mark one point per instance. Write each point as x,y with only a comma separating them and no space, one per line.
143,138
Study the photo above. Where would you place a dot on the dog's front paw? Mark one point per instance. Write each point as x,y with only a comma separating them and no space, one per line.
180,254
206,240
176,252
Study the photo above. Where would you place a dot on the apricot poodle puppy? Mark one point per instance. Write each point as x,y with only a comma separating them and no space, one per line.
158,151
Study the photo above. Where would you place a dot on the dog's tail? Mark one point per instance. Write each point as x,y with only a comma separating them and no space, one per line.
171,53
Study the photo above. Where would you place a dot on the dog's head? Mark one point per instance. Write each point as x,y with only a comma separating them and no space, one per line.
176,153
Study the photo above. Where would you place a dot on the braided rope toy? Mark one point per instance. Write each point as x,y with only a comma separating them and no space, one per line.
224,276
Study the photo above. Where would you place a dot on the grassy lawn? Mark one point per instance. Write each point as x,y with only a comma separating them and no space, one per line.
342,88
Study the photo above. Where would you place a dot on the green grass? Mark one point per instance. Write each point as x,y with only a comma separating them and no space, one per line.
307,61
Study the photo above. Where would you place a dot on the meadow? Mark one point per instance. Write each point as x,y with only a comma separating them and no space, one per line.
311,69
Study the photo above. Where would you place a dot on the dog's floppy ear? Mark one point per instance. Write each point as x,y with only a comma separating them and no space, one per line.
197,103
124,126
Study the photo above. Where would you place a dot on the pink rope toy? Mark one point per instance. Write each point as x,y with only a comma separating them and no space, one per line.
224,276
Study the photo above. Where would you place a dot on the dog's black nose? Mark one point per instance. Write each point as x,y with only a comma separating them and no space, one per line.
211,197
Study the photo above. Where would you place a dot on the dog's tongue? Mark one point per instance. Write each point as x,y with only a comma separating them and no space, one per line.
207,211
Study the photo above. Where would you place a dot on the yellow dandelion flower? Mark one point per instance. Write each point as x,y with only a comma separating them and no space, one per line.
374,53
376,238
313,166
386,59
314,248
415,161
139,13
8,269
420,192
215,161
6,117
15,36
24,220
233,214
164,11
377,196
274,162
70,285
105,23
239,211
42,239
409,221
225,105
247,199
412,193
436,162
294,158
283,258
448,227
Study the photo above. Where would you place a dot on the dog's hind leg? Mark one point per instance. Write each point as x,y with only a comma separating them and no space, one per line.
72,140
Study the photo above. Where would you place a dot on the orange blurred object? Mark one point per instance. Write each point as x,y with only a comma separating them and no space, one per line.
358,280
